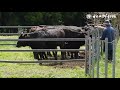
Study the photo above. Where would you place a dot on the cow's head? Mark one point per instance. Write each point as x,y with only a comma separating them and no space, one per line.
22,43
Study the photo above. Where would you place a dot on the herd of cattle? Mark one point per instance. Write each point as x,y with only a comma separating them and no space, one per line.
55,32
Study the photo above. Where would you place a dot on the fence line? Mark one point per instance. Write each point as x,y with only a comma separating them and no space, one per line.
48,26
94,54
42,61
91,45
86,55
12,33
98,57
106,57
42,50
92,58
114,59
7,44
46,39
16,26
89,60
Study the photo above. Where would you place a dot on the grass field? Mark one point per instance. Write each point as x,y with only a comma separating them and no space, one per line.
13,70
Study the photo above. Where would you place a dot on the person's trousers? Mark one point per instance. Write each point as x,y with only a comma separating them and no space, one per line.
110,55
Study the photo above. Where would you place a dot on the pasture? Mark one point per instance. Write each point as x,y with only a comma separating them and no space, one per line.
14,70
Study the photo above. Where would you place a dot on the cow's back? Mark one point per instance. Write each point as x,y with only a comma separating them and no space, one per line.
55,33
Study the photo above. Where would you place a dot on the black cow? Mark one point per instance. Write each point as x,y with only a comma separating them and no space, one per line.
73,32
33,44
69,33
48,33
56,33
38,28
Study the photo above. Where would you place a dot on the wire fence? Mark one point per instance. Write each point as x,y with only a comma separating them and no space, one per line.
93,51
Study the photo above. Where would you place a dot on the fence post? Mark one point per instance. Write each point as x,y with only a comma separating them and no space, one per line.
113,64
117,35
86,55
19,29
102,47
98,55
106,57
89,56
93,56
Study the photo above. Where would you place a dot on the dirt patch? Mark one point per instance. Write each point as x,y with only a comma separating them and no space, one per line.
72,64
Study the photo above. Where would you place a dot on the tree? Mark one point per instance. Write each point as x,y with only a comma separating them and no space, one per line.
52,18
33,18
74,18
47,18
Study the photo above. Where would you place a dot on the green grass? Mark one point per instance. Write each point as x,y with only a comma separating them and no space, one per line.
36,71
13,70
102,65
10,70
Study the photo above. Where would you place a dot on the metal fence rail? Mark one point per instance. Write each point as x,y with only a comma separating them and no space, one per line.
42,61
46,39
39,50
92,49
7,44
12,33
105,62
16,26
42,50
95,48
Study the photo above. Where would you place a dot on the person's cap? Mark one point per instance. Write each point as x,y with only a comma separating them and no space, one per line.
107,22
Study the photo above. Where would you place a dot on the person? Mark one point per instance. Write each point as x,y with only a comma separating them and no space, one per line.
109,32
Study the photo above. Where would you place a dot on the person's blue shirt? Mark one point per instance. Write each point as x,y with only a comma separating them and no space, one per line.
109,32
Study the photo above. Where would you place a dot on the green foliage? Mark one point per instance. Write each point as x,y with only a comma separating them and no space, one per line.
39,18
52,18
47,18
74,18
33,18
